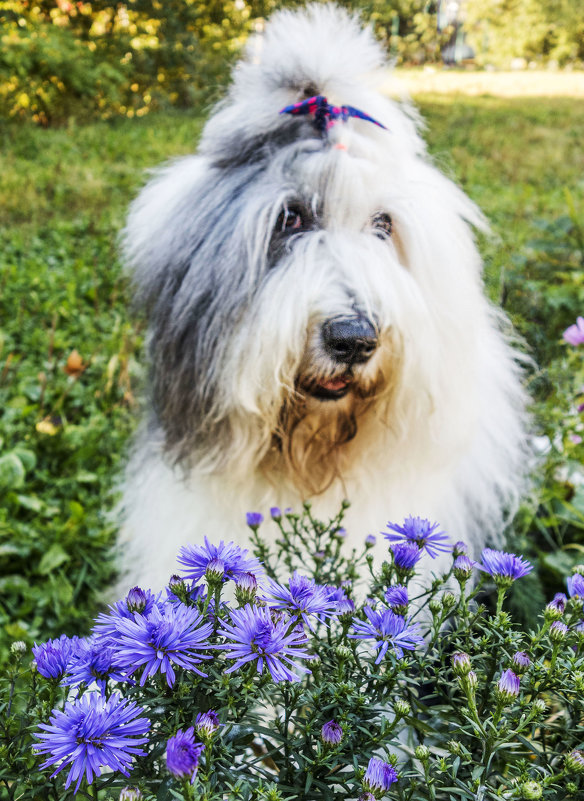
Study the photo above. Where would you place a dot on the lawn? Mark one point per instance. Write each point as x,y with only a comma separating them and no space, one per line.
65,417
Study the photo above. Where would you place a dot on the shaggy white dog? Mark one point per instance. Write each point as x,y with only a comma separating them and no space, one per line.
318,327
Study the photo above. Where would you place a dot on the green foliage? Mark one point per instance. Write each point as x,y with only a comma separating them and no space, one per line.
536,30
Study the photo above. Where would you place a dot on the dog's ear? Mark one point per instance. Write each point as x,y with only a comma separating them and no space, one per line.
188,268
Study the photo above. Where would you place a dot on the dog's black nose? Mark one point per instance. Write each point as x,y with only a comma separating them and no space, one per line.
350,340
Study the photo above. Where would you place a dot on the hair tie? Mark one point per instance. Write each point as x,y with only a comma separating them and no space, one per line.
325,115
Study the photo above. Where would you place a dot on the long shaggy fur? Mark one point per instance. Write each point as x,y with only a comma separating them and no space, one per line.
431,425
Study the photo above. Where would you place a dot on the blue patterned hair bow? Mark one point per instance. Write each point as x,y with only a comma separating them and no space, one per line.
325,115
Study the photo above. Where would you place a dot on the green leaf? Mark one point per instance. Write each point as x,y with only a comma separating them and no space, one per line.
12,471
52,559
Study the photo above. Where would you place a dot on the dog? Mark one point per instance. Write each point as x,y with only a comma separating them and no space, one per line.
318,327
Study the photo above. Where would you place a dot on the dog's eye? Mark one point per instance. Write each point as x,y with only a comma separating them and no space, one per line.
382,225
290,220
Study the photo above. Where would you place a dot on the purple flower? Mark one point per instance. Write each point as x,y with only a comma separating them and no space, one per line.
106,622
406,555
574,335
195,558
575,586
379,776
397,598
508,686
387,628
130,794
421,532
575,762
275,513
171,636
206,724
504,567
246,588
461,664
556,607
136,600
370,540
331,733
520,662
254,519
93,733
92,661
463,567
52,656
558,631
254,637
183,754
460,548
302,597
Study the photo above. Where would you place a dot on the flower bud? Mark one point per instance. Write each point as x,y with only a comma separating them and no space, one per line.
448,600
379,777
215,571
136,600
422,753
471,680
435,606
366,797
276,513
555,609
459,548
454,747
571,788
206,724
370,540
402,708
461,664
558,631
331,733
345,610
578,569
130,794
254,520
397,598
18,648
539,706
574,762
463,568
246,588
531,790
343,653
319,556
340,533
508,687
520,662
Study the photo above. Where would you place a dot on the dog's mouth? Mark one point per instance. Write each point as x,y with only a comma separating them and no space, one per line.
330,389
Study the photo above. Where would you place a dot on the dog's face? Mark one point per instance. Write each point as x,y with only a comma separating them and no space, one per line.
300,283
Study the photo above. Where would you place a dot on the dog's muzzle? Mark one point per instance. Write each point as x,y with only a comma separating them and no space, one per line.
349,340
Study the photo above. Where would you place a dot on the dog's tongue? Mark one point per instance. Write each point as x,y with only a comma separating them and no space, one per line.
334,384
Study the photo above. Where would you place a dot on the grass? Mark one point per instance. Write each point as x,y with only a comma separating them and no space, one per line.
63,432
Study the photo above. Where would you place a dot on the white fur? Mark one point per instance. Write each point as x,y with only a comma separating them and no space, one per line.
443,435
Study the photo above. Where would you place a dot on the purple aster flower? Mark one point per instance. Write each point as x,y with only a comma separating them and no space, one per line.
575,762
387,628
92,661
254,637
558,631
275,513
397,598
53,656
508,686
406,555
463,567
136,600
460,548
236,561
170,636
520,662
302,597
379,776
331,733
421,532
183,754
574,335
504,567
206,724
246,588
575,586
105,623
93,733
254,519
556,607
461,664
